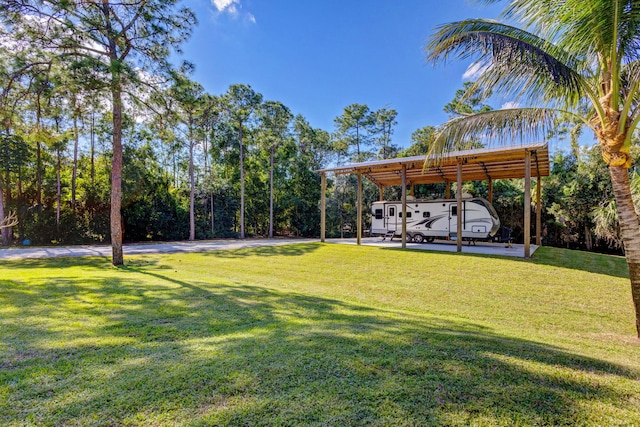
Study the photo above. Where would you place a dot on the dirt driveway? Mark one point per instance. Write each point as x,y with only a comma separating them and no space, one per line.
142,248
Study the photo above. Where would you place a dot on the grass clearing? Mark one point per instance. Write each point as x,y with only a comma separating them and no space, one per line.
315,334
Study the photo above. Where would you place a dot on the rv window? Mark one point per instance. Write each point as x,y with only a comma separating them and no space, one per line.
378,213
408,214
454,210
426,214
392,211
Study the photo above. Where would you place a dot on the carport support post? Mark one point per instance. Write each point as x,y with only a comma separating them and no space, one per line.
459,208
527,205
447,189
323,206
381,191
539,213
490,191
359,221
404,206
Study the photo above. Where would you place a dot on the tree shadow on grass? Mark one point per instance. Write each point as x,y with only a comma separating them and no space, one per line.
591,262
123,352
58,262
296,249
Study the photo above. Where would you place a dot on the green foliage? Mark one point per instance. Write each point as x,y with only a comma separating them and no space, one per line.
354,132
571,193
385,120
468,100
150,209
421,140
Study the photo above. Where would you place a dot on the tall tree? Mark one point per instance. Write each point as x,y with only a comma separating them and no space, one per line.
353,128
385,120
241,102
275,119
568,53
188,96
111,41
209,119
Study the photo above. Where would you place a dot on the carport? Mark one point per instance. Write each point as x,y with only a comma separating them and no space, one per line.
521,161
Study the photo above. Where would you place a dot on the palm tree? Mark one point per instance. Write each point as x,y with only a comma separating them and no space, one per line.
569,58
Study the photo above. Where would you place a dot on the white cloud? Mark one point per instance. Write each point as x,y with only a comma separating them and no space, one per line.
233,7
473,71
223,5
509,105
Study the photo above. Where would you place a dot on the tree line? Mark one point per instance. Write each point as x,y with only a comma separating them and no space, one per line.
103,140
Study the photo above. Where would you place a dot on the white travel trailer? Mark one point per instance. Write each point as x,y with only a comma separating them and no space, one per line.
431,219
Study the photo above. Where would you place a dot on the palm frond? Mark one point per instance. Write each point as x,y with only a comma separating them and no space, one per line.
630,90
497,127
520,63
585,27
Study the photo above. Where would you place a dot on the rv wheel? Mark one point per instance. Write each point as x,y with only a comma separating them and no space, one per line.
418,238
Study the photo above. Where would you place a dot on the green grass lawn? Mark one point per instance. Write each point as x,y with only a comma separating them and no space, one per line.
316,334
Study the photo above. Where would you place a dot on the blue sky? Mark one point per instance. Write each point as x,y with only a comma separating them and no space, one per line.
319,56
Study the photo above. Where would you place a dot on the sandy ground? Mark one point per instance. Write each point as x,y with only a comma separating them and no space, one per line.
143,248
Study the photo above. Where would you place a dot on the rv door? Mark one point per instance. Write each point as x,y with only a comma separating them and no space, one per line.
391,217
453,217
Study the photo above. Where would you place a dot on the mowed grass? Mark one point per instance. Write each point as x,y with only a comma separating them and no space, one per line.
319,335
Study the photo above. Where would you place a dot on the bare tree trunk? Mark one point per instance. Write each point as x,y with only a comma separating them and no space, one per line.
630,231
93,146
192,185
20,204
38,158
5,231
74,173
241,182
116,178
271,162
58,189
588,241
213,217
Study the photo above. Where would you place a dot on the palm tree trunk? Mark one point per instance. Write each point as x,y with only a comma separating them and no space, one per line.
630,231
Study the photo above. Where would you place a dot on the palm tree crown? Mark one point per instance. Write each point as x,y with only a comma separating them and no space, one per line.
570,55
576,59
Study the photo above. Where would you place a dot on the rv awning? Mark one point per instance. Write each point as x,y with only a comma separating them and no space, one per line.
477,165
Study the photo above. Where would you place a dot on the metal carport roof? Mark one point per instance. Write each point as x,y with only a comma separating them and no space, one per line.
479,164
